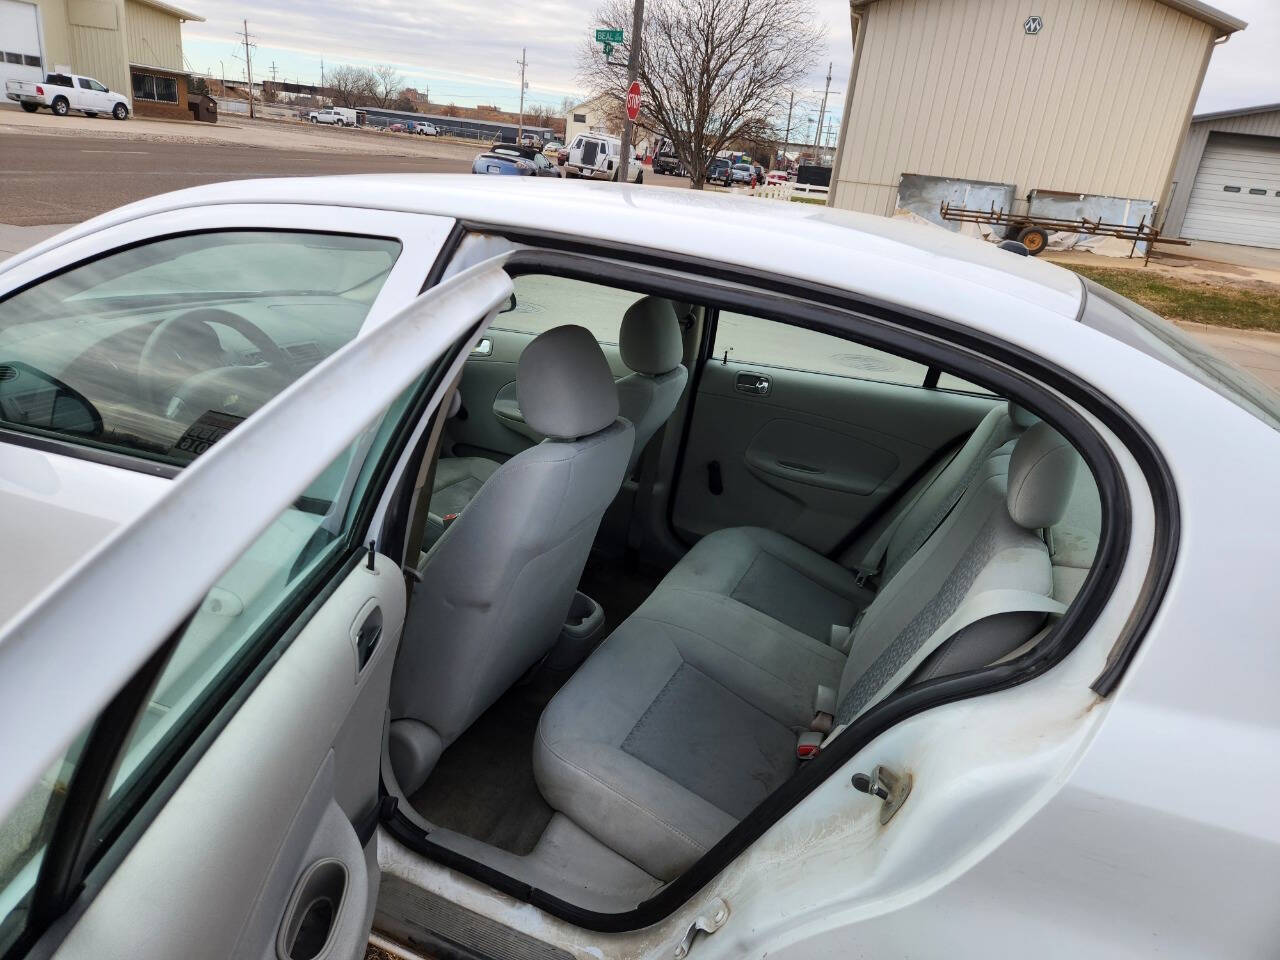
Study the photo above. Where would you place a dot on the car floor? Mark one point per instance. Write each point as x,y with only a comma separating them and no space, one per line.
483,785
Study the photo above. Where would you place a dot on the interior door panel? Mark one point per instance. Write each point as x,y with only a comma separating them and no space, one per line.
489,423
810,455
274,796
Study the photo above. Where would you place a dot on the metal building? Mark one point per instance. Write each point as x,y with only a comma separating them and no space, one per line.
132,46
1227,181
1064,99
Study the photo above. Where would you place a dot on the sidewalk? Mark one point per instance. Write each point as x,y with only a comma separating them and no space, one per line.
16,239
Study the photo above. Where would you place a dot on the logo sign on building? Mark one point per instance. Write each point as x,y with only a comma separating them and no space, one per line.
633,101
1033,25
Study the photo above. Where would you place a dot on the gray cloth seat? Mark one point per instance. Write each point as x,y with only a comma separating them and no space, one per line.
687,715
651,346
497,585
811,593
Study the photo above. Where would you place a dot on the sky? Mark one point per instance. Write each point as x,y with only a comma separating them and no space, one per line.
466,51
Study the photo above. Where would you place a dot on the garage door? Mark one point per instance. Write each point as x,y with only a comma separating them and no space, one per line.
19,42
1236,194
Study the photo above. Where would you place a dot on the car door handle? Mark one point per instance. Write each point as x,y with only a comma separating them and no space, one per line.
368,634
754,383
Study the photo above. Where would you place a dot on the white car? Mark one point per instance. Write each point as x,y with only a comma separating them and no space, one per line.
938,586
426,129
596,156
63,92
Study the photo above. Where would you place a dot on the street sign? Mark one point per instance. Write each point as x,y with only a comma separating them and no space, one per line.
608,36
633,101
608,49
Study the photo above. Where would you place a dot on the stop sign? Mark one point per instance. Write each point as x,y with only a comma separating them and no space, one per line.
633,101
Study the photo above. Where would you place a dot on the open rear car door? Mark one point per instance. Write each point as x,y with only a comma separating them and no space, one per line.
201,700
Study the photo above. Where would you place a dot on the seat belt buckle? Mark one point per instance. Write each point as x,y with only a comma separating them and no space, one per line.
860,578
808,745
447,521
824,710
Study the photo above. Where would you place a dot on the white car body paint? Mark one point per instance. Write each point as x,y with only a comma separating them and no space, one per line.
1042,820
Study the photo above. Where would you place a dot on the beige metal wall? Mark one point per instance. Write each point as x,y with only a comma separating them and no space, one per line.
154,37
1184,174
87,36
1095,103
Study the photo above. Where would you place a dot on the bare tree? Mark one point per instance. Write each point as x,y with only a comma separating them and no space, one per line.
713,71
387,84
351,86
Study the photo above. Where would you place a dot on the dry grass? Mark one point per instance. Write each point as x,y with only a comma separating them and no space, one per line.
1246,306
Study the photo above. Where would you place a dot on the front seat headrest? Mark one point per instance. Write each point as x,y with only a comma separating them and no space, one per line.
649,338
1041,473
564,385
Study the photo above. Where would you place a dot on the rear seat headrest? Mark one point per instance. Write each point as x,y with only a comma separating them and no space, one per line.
1041,473
564,385
1021,416
649,339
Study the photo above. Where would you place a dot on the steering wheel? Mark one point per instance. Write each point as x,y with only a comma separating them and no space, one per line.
162,365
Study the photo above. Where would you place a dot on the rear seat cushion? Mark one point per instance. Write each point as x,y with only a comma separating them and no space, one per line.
775,575
669,733
457,481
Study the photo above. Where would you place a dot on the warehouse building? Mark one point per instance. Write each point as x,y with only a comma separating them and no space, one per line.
1057,107
1227,182
132,46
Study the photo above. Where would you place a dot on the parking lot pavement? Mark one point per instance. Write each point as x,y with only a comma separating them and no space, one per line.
50,179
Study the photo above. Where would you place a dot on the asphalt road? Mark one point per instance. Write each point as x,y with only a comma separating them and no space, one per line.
61,179
69,179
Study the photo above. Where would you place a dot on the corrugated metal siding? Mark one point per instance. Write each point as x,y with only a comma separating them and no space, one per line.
100,54
154,37
1095,103
1184,174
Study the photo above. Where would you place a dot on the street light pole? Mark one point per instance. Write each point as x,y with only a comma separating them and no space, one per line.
633,68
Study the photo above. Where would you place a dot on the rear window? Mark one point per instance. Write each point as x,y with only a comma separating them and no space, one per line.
1130,323
160,350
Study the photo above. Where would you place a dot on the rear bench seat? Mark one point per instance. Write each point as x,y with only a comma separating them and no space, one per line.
687,716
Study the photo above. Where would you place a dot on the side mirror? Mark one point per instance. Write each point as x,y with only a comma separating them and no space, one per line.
32,398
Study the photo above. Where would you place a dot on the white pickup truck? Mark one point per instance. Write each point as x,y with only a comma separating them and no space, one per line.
64,92
342,116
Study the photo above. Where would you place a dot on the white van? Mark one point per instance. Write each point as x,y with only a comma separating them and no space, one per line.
596,156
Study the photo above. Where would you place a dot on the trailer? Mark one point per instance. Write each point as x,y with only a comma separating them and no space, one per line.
1033,230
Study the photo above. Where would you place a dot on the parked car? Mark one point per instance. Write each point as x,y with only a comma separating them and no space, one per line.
552,149
63,92
423,128
334,116
669,165
760,172
596,156
778,177
243,701
396,127
530,140
507,159
719,170
743,174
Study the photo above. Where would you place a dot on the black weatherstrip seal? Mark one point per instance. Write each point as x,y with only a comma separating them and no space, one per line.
1005,368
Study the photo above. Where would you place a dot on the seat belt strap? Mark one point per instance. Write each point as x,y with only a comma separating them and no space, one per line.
423,483
982,606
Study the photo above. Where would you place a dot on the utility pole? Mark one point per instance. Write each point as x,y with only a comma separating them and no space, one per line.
633,69
524,62
248,64
822,114
791,103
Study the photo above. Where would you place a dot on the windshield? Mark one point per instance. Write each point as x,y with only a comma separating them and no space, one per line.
1137,326
158,351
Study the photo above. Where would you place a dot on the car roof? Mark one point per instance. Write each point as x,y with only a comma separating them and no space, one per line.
865,254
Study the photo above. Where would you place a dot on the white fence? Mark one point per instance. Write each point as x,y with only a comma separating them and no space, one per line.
787,191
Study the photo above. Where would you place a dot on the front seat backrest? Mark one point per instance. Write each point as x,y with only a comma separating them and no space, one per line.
497,585
651,346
